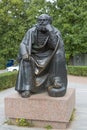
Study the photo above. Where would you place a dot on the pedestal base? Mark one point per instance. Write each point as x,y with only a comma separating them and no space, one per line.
41,109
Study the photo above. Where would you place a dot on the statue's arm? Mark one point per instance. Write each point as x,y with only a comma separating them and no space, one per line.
53,38
23,53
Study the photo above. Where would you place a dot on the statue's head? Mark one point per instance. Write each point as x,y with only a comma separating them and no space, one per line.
43,20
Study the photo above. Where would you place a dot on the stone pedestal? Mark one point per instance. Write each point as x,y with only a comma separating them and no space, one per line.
42,109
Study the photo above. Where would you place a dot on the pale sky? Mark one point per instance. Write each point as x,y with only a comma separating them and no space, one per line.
51,0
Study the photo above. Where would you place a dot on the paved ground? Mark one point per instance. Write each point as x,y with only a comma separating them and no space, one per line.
3,71
80,119
80,83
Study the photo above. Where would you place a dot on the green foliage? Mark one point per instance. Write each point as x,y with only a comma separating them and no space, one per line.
11,31
17,16
77,70
20,122
2,63
7,80
48,127
67,58
70,17
73,115
24,122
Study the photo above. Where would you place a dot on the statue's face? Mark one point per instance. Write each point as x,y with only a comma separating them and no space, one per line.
43,20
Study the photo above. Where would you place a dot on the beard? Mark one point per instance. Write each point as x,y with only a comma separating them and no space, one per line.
41,28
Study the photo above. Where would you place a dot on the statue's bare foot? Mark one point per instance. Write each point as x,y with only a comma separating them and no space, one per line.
25,94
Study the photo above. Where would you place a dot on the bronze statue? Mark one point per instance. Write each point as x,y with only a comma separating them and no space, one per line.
42,65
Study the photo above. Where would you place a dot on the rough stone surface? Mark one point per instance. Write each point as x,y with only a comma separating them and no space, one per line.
42,109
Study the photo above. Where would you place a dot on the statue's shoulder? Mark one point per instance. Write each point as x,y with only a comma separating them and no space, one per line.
57,31
30,30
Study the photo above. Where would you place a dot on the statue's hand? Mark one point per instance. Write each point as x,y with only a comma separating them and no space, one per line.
49,27
25,57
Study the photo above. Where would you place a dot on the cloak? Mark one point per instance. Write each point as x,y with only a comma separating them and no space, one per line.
46,62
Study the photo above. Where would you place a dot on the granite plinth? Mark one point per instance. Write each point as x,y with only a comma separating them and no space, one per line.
42,109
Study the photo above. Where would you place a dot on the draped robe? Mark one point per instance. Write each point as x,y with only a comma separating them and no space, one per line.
46,62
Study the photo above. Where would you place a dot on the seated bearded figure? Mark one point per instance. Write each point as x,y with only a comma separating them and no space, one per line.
42,65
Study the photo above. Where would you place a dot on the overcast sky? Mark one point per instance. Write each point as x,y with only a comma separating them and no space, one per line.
51,0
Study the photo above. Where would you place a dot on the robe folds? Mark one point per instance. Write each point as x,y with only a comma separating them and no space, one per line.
46,62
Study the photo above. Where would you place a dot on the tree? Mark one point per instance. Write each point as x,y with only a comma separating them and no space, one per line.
16,16
70,17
